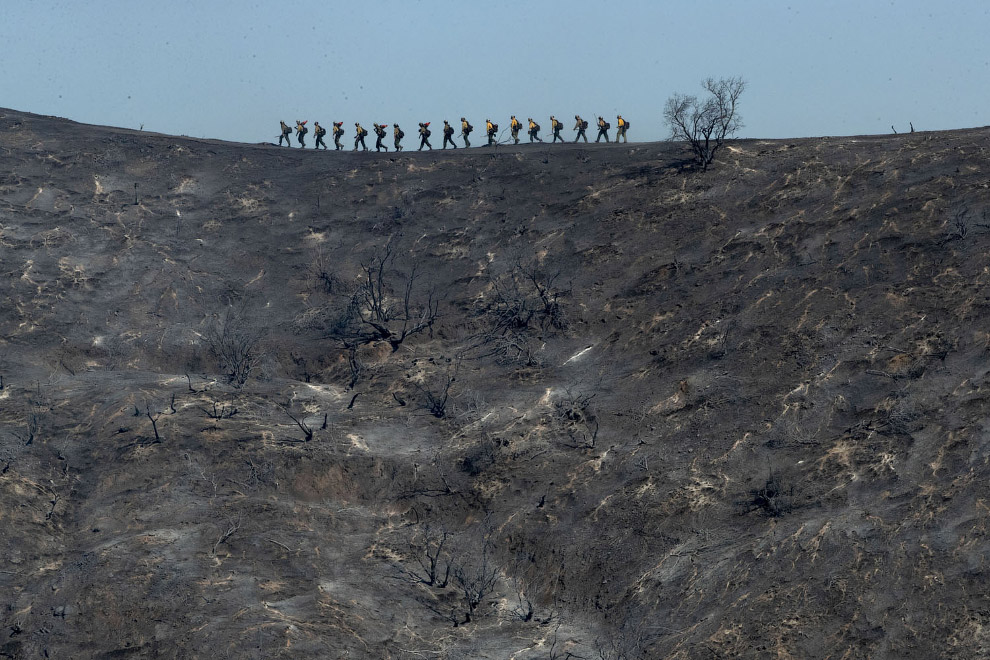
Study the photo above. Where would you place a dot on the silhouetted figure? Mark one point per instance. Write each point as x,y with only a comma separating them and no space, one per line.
514,127
424,136
359,138
380,132
338,132
492,130
620,128
534,130
286,135
603,127
319,132
448,135
466,129
557,127
397,132
301,131
580,126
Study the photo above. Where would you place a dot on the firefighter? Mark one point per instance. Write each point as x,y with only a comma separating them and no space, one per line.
424,136
557,128
603,127
515,126
359,138
338,132
534,130
380,132
580,127
491,129
301,131
448,134
466,129
319,132
620,128
397,132
286,135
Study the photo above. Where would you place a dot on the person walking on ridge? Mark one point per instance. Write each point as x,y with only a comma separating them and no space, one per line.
491,129
301,131
603,127
466,129
397,132
620,129
581,126
534,130
319,132
338,132
557,128
424,136
286,134
359,138
515,126
380,132
448,135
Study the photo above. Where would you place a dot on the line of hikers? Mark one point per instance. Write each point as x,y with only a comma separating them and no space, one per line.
491,128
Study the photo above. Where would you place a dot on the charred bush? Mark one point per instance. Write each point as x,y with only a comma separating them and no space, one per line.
388,304
480,457
773,498
236,346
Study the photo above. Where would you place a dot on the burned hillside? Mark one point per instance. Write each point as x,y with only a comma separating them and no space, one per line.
517,403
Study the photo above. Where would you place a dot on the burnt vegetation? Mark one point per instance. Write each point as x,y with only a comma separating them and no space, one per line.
590,405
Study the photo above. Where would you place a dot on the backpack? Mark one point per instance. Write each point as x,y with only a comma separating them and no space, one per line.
584,124
468,129
401,134
426,132
494,129
626,125
536,127
321,131
607,126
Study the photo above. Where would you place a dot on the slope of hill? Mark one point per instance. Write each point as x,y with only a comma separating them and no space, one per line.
258,402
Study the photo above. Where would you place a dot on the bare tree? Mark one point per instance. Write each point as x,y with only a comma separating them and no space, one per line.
705,124
430,554
437,395
476,576
236,346
301,422
388,305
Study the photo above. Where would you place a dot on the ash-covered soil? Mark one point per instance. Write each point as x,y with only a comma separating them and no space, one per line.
540,402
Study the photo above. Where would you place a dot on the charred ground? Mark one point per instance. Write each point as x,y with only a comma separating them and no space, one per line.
607,406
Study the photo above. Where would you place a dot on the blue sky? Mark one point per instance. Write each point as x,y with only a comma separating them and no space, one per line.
231,70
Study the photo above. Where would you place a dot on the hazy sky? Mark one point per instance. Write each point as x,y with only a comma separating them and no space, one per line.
231,70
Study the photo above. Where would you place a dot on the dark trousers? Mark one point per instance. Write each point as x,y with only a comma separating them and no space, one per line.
288,139
448,137
379,145
360,140
424,142
319,141
602,131
581,135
